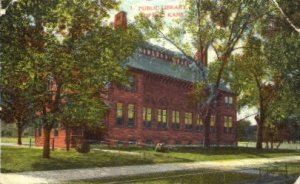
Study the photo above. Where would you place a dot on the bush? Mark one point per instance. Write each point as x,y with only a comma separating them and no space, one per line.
84,147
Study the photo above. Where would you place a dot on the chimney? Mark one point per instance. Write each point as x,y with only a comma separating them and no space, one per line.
120,20
201,57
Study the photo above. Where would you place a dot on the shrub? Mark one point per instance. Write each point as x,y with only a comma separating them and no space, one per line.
83,147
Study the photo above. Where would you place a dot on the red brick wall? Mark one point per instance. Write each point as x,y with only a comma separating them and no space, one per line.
161,92
156,91
59,140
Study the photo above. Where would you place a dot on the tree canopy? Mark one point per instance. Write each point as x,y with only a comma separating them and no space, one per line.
66,52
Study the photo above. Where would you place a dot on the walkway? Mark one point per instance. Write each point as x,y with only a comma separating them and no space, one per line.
57,176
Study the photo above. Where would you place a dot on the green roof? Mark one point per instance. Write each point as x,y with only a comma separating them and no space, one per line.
159,66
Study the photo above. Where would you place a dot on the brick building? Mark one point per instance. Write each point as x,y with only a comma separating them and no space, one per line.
157,106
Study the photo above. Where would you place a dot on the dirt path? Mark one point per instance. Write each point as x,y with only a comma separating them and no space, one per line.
57,176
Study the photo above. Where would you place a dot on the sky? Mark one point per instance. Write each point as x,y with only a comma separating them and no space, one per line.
173,9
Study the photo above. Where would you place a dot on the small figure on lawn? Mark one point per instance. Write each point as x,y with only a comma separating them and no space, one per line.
161,147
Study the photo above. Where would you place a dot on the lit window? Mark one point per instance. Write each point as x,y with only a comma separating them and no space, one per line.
199,123
119,121
175,119
188,120
147,117
227,124
130,115
161,118
228,101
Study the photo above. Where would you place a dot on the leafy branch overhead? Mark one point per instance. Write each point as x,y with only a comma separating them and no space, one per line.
66,54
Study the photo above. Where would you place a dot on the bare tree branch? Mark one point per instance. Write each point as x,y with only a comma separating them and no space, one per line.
285,16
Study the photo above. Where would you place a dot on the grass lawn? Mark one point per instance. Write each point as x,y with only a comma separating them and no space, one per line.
191,177
285,168
25,159
25,140
284,145
201,154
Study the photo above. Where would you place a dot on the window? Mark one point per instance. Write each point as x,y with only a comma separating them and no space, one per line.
119,121
157,54
188,121
130,115
175,120
199,123
227,124
147,117
131,84
213,123
55,132
228,101
161,118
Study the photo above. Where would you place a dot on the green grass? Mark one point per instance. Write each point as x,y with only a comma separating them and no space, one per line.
201,154
191,177
284,168
25,159
284,145
25,140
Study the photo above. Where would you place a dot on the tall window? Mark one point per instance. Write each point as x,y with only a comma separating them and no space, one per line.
130,115
56,132
228,101
147,117
188,121
227,124
119,121
199,123
161,118
213,123
175,120
131,84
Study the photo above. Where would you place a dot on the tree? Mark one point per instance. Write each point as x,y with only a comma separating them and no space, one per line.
73,55
84,112
17,108
220,25
244,131
263,64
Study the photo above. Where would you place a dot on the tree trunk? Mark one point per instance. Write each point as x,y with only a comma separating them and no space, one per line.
46,148
272,142
267,145
207,129
20,131
259,133
68,138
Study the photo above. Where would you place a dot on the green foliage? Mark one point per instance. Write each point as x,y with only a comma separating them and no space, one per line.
245,132
84,147
63,54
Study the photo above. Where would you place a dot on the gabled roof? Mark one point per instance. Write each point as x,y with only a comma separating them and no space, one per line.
141,61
